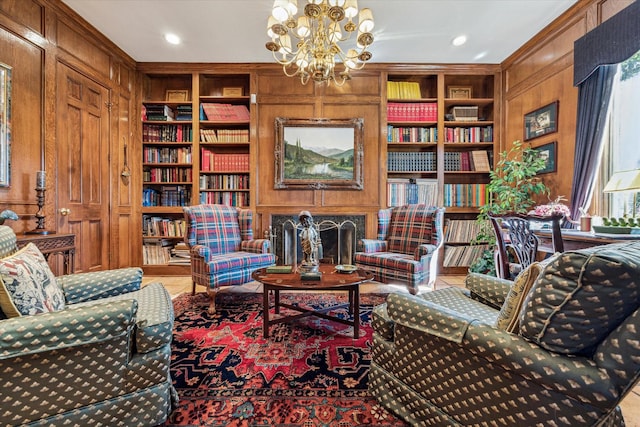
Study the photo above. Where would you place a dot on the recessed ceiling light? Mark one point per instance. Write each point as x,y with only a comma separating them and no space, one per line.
459,41
172,38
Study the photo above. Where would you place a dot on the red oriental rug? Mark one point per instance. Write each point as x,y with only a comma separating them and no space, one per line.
309,373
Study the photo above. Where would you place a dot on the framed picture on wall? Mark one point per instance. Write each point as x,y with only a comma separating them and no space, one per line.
549,153
541,122
321,154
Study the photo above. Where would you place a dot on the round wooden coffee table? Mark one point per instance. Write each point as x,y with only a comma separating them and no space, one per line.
331,280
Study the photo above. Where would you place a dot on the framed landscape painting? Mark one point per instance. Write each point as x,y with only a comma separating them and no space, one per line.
321,154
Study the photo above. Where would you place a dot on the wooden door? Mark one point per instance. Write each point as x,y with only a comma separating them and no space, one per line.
82,149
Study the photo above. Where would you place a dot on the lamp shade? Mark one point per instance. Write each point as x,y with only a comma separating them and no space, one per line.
623,181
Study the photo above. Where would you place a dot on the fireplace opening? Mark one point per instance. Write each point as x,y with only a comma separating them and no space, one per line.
338,234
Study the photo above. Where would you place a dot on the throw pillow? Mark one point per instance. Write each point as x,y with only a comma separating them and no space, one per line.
27,284
508,316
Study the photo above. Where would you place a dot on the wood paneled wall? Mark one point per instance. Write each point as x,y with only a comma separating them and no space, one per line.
541,72
36,35
279,96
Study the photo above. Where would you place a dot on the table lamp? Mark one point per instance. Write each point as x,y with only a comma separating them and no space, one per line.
625,181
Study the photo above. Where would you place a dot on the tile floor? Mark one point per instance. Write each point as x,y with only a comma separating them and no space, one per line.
180,284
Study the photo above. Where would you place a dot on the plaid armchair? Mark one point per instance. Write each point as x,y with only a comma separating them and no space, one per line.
82,349
556,347
223,250
409,241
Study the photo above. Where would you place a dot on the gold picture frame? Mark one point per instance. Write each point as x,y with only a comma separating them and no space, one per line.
177,95
232,91
460,92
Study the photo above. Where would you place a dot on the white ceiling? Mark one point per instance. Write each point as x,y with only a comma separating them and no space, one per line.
406,31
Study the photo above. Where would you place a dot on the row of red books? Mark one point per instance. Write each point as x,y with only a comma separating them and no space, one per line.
222,162
412,111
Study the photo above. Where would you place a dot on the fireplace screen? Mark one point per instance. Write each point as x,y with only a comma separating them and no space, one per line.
339,235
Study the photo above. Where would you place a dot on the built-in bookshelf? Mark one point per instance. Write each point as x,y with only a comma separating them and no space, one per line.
195,149
441,128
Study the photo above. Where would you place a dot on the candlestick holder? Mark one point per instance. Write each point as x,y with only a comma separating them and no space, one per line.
40,214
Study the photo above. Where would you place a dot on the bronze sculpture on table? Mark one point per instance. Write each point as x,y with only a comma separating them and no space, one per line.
310,241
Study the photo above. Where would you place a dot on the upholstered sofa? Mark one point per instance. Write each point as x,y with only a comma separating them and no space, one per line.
223,250
408,243
560,346
87,349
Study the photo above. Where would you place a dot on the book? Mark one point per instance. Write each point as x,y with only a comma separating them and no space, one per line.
280,269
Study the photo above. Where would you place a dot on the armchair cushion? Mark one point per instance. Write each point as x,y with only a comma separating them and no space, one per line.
581,297
509,313
27,284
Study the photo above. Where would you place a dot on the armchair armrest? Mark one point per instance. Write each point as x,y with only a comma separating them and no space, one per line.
578,377
100,284
256,246
423,250
491,290
369,246
415,312
72,327
201,251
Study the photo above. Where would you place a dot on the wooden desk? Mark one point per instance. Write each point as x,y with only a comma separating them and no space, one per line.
574,239
64,244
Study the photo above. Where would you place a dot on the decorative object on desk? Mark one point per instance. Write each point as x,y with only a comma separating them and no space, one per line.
616,229
625,181
311,244
177,95
346,268
512,185
5,125
548,153
41,180
460,92
7,214
279,269
308,46
555,207
541,121
319,154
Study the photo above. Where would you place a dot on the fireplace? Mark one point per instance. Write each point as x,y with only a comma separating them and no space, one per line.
338,233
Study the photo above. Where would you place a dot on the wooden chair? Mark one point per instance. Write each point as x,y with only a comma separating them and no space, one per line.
514,237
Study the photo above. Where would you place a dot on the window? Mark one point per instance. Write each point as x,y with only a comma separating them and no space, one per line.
621,148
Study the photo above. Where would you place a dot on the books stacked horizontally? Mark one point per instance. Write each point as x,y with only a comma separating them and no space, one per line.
224,112
179,254
184,112
403,90
159,112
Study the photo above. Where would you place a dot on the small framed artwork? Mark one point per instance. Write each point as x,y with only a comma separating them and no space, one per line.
177,95
319,154
460,92
232,91
548,152
541,121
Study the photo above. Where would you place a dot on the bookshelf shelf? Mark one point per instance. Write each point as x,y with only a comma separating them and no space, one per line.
459,153
208,154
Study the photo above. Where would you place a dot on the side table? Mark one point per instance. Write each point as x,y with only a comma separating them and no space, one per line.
48,244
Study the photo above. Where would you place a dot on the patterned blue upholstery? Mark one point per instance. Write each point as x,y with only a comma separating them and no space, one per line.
438,358
409,239
102,360
223,250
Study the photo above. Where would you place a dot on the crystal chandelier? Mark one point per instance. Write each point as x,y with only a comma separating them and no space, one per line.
316,35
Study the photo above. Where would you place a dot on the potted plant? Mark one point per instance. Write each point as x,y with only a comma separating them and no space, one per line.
512,184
